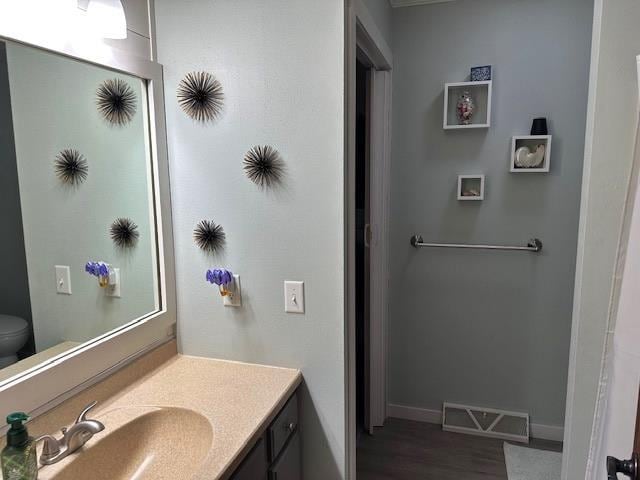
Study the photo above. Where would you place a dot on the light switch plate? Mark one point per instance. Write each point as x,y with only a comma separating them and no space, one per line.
63,280
293,297
234,300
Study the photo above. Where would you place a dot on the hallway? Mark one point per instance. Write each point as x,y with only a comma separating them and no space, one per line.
408,450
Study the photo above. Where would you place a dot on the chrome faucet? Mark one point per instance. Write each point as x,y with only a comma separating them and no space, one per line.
73,438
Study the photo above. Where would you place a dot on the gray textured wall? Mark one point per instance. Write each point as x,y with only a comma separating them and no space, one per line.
14,283
486,328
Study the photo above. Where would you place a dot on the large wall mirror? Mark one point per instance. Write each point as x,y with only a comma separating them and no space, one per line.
79,243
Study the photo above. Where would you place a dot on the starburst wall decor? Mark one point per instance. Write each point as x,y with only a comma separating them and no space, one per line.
209,236
71,166
263,165
200,96
124,232
116,101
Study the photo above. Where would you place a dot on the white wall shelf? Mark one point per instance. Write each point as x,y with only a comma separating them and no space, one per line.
481,93
470,187
533,143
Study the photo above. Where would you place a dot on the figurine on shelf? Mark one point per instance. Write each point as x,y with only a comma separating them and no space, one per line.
481,74
465,108
527,159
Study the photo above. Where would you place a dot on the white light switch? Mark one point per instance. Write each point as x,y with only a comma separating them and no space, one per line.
294,297
63,280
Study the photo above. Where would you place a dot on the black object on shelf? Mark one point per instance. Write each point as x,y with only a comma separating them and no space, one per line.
539,127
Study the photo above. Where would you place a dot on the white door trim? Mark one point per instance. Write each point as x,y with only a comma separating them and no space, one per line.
604,187
369,38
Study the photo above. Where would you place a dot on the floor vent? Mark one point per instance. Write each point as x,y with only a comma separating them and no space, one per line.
486,422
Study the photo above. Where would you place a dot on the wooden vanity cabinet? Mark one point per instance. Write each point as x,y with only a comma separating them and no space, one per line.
277,454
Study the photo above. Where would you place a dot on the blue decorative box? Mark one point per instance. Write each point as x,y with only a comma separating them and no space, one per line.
481,74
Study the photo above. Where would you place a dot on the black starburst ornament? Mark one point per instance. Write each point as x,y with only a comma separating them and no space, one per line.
71,167
264,166
200,96
124,232
209,236
116,101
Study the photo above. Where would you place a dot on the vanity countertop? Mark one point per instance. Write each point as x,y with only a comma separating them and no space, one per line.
238,399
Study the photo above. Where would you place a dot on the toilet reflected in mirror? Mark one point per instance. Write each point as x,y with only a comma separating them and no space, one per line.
14,334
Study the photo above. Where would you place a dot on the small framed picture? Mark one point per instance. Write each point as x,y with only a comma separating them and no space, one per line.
481,74
470,187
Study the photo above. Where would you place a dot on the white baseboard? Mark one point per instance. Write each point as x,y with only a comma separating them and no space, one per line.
547,432
542,432
414,413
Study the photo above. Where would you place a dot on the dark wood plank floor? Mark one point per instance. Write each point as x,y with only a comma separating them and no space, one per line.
407,450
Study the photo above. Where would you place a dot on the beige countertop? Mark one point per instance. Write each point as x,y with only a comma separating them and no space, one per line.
239,401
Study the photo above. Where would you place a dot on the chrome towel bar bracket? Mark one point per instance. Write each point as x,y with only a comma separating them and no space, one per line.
534,245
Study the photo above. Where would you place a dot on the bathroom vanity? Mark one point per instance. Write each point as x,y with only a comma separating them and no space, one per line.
276,455
169,416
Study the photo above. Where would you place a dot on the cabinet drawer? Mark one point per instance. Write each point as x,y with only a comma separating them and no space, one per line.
288,466
285,424
254,466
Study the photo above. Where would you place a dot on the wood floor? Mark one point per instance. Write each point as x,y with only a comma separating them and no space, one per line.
407,450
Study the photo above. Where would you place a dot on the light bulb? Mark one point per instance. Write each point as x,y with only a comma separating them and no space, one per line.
106,18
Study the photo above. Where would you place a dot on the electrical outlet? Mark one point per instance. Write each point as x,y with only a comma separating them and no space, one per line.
234,299
293,297
113,289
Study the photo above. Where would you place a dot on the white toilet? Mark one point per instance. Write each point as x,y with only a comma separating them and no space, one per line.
14,333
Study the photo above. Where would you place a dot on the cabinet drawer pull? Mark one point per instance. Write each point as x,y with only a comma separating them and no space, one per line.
291,427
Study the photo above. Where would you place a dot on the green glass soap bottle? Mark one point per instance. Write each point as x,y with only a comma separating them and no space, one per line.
18,458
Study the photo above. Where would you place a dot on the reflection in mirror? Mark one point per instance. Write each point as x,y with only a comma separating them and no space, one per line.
78,239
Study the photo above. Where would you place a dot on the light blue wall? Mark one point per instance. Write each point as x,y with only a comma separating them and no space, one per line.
477,327
281,64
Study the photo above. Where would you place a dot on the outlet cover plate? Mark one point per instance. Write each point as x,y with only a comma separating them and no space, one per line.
234,300
113,289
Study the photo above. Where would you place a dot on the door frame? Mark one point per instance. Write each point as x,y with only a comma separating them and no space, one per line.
608,167
614,416
362,33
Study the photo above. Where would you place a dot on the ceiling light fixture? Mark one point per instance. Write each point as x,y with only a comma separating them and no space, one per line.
107,19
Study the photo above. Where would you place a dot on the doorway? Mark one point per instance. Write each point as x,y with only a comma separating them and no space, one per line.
367,218
363,233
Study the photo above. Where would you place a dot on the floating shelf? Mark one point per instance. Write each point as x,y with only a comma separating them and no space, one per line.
532,142
480,92
470,187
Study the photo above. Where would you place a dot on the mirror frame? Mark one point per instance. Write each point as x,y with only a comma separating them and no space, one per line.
44,386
